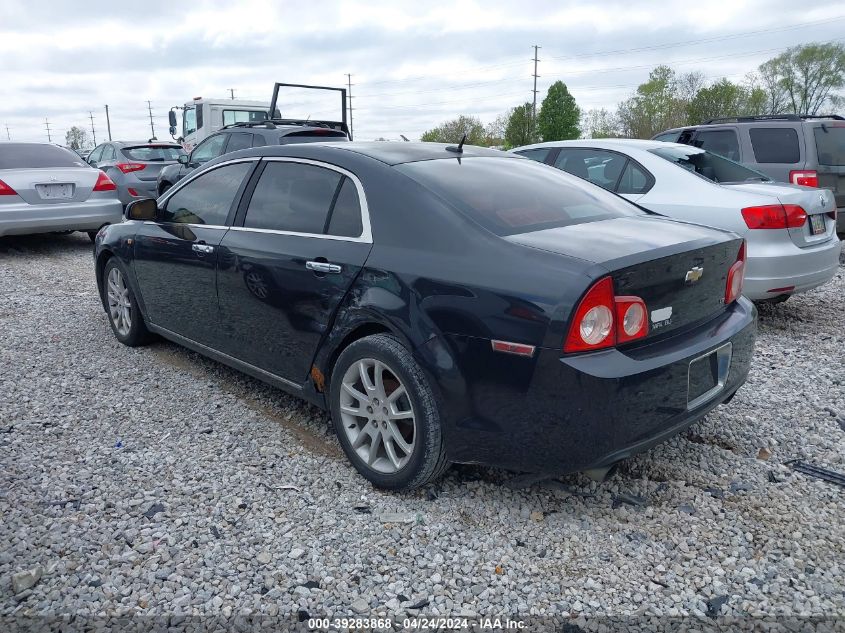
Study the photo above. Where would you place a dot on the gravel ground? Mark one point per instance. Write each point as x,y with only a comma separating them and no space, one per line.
154,481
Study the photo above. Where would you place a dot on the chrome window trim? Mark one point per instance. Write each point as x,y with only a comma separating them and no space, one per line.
366,236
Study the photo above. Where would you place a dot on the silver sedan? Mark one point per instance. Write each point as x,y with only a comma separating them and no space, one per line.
46,188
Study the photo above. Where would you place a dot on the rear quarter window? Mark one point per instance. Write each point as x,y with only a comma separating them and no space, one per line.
775,145
509,196
34,156
830,144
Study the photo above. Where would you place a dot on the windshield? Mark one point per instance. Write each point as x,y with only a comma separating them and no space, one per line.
708,165
153,153
830,144
37,155
512,195
189,121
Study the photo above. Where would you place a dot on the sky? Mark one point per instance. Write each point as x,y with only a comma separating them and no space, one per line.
413,64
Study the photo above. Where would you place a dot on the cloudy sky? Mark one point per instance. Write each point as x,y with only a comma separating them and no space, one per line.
413,64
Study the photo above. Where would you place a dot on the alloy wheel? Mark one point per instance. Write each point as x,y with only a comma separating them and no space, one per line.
377,415
120,305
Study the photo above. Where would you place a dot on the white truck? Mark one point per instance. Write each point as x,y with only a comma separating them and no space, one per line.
202,117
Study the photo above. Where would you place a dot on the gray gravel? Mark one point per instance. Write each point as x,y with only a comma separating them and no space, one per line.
154,481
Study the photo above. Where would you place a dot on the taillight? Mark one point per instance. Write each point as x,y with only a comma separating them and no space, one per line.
6,190
128,167
104,183
808,178
774,216
603,320
736,277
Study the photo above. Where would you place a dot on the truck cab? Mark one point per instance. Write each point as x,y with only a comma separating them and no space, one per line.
202,117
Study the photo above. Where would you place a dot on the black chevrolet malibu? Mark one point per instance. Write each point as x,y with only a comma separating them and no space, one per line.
445,304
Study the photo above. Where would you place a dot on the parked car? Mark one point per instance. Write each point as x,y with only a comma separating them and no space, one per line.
790,229
445,304
804,150
83,153
241,136
134,166
46,188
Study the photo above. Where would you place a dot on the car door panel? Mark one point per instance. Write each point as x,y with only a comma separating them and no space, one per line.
175,258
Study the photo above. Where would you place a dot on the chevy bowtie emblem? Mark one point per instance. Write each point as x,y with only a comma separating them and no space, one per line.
694,274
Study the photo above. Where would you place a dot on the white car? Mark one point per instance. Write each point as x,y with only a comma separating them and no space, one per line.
790,230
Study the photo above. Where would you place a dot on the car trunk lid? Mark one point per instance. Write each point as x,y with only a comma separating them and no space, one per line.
830,151
679,270
817,203
53,185
154,158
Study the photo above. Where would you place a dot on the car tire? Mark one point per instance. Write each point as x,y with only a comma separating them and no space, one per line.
92,235
121,306
378,414
163,189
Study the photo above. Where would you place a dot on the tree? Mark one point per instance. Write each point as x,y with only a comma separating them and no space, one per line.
559,114
803,78
600,123
495,130
76,138
518,129
654,107
453,130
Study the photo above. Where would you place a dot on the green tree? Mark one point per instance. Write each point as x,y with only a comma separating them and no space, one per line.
600,123
518,129
722,99
803,78
76,138
654,107
453,130
559,115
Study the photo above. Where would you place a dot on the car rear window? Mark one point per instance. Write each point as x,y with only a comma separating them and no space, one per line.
153,153
35,155
509,195
313,136
775,145
708,165
830,145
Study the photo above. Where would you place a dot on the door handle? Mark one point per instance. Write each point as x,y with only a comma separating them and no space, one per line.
323,267
202,248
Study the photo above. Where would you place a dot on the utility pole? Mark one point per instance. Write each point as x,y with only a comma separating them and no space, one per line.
349,96
152,128
93,133
8,136
47,125
534,106
232,92
108,122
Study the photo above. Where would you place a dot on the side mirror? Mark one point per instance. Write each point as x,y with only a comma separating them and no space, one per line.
172,130
93,163
184,159
171,118
145,210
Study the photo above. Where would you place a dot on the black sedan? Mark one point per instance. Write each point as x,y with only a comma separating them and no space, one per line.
445,304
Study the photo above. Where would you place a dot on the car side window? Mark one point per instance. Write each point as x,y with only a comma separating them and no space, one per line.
293,197
210,148
258,140
668,137
238,141
722,142
345,219
539,154
108,153
94,157
208,198
600,167
775,144
633,180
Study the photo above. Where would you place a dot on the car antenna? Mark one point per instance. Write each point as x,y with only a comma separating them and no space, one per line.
460,147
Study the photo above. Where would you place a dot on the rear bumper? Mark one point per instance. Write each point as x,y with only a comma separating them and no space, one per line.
23,218
803,268
557,414
143,189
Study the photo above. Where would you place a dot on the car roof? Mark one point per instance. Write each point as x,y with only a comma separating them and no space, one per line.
605,143
387,152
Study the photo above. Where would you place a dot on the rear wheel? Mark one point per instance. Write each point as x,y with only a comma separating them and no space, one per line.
385,414
122,307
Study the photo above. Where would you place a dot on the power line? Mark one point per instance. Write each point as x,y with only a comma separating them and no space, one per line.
349,85
93,133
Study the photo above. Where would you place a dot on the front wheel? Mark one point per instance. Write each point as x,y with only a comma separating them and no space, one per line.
122,307
385,414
